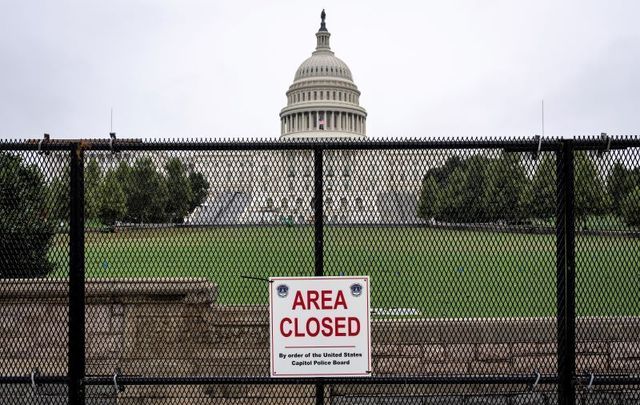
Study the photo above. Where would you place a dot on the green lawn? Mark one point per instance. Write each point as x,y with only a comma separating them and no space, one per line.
440,273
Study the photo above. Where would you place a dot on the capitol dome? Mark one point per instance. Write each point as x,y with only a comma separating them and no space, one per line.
323,101
323,65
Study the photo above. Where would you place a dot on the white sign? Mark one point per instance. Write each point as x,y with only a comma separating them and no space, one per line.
320,326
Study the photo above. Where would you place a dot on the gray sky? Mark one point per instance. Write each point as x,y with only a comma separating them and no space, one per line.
220,69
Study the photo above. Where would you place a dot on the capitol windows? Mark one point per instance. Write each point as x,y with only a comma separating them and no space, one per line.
315,95
334,95
321,94
302,96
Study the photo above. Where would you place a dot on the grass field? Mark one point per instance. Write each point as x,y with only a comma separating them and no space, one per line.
439,273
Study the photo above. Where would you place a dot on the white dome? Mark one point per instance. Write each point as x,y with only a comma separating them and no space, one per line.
323,65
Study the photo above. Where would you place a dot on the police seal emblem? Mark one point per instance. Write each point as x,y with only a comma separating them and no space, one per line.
356,289
282,290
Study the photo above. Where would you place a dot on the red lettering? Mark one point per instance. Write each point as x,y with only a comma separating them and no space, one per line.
326,299
296,328
354,326
340,326
340,301
327,327
282,331
312,298
310,322
298,300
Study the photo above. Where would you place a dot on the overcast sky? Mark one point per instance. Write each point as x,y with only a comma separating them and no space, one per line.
220,69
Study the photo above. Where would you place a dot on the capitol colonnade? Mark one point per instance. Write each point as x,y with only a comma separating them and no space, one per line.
329,121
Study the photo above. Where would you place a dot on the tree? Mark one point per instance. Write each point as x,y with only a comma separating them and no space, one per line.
543,189
630,208
456,191
620,183
92,180
180,196
590,196
508,189
429,198
454,206
24,226
199,189
146,192
112,205
58,197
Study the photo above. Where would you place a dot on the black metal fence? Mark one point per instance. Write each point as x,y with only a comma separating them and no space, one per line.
503,271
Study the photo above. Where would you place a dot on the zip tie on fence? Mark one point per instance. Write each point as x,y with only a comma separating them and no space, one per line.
44,138
34,372
536,154
607,141
112,137
590,385
115,382
535,383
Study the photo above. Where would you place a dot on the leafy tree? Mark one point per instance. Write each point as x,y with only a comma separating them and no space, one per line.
25,229
429,198
199,189
58,197
620,183
476,189
92,179
630,208
543,201
508,189
112,204
455,200
180,195
146,192
590,196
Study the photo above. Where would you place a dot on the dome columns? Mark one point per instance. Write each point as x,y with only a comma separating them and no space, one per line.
327,122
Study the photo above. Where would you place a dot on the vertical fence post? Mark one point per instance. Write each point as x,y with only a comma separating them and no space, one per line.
565,272
76,352
318,234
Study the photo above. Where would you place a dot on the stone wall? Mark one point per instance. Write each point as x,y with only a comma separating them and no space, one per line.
173,327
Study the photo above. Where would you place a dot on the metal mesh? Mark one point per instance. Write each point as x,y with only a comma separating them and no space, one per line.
468,247
607,257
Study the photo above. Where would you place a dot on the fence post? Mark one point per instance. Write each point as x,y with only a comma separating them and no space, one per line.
76,352
318,234
565,272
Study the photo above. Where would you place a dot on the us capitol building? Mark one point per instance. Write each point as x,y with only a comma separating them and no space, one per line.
276,187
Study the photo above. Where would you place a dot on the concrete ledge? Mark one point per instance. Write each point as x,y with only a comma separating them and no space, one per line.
197,290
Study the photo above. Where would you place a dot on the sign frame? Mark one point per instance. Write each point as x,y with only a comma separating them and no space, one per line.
274,282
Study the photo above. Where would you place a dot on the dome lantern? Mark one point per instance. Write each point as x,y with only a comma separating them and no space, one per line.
323,36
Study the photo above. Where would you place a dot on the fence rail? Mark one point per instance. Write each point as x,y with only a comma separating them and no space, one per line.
463,292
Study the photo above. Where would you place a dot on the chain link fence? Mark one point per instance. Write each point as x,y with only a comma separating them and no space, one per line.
502,271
